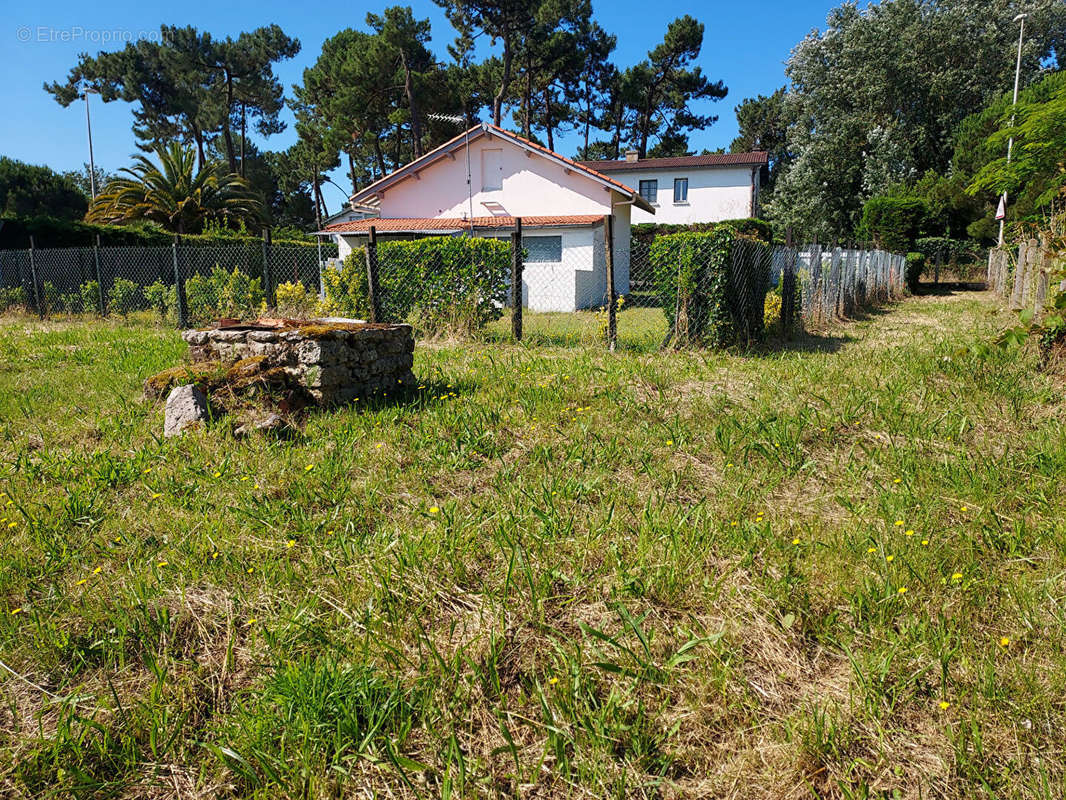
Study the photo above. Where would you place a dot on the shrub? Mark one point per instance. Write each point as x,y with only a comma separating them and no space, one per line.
51,297
751,227
713,286
162,299
345,289
12,298
222,294
70,303
913,270
90,296
893,223
124,296
293,300
950,251
771,317
440,284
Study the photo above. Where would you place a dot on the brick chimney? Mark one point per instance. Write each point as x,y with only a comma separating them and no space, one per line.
632,155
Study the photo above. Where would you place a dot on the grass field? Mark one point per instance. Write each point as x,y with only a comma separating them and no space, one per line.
836,568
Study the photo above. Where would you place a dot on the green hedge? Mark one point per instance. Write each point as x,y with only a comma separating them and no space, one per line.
440,284
52,232
706,301
913,270
893,223
749,226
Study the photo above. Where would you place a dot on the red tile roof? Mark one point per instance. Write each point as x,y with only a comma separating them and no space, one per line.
454,224
757,158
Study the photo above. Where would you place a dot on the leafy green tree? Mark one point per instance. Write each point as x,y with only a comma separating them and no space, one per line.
176,195
763,123
876,98
27,190
1036,172
661,88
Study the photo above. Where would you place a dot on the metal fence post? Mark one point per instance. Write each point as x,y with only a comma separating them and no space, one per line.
37,300
179,287
372,274
268,278
612,300
321,283
99,280
516,280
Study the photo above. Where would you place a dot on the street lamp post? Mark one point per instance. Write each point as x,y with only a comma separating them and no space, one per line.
1010,142
89,128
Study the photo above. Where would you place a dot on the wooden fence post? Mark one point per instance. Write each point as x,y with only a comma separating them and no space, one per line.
612,298
516,280
372,274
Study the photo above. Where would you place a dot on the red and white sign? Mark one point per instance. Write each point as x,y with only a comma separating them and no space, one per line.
1001,210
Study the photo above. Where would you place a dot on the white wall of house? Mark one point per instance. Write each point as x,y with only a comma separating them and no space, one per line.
714,193
525,184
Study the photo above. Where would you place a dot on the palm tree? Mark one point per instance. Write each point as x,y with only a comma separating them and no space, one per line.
175,194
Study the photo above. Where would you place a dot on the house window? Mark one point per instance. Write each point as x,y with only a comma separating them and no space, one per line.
543,248
649,190
680,190
491,170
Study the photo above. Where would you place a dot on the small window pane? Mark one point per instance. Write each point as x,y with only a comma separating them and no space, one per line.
680,190
649,190
543,248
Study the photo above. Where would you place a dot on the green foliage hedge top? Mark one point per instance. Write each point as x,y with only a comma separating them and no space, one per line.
707,300
440,284
893,223
749,226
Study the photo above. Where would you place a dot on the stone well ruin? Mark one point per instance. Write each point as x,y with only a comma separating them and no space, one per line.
335,362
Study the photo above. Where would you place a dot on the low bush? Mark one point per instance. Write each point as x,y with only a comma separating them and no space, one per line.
751,227
90,296
222,294
443,285
124,296
713,286
293,300
162,299
913,270
12,298
893,223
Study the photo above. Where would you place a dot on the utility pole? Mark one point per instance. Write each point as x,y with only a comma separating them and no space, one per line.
1010,142
89,128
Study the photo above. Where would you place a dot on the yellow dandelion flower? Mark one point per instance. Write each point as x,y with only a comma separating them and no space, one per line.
156,495
117,539
898,480
256,486
553,681
98,570
734,523
290,543
957,576
16,611
309,467
1004,641
83,580
944,705
162,563
433,509
963,508
901,590
252,620
729,464
250,570
215,554
379,445
146,470
795,541
908,533
889,558
218,474
244,477
899,523
871,549
925,541
669,441
12,524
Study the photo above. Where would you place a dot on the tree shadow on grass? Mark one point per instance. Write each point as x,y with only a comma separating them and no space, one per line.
949,288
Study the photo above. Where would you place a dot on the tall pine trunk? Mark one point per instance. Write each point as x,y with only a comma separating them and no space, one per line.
412,104
226,133
505,82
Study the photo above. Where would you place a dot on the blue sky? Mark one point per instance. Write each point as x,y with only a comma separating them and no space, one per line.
745,45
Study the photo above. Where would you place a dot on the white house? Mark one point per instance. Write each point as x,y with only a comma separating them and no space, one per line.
691,189
562,205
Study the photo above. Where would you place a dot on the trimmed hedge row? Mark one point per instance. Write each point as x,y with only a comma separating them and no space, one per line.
748,226
713,286
440,284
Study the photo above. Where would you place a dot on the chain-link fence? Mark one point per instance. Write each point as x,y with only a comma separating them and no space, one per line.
180,285
574,286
